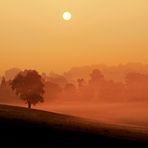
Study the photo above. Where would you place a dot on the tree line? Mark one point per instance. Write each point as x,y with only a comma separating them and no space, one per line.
33,88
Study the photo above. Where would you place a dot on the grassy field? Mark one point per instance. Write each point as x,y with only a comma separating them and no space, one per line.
128,113
21,127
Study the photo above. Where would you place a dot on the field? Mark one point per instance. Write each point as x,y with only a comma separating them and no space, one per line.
129,113
21,127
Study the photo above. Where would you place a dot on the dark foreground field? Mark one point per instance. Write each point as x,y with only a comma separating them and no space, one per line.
20,127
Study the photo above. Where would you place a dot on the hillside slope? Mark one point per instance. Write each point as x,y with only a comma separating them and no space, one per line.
21,127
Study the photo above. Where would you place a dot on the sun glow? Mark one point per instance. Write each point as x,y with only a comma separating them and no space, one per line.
67,16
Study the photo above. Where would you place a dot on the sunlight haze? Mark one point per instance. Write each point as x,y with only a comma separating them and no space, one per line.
34,35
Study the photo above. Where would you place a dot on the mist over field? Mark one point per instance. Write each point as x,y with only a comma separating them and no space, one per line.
110,94
133,114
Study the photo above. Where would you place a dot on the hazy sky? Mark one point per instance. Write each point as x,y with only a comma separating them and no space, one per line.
34,35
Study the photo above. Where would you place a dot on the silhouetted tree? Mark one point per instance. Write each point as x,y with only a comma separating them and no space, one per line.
28,85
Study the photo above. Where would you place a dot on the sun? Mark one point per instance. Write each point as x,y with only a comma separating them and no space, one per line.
67,16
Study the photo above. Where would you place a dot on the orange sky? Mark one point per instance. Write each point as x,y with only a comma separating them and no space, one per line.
34,35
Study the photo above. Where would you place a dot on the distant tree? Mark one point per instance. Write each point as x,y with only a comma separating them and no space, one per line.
70,88
69,92
52,90
29,86
58,79
96,82
11,73
96,75
80,82
3,82
96,78
137,85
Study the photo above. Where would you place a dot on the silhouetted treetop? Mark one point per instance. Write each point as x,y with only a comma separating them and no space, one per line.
28,85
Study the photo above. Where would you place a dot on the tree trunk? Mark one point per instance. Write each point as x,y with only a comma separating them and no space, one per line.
29,105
